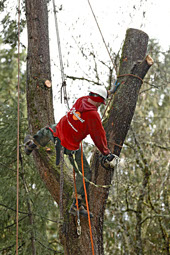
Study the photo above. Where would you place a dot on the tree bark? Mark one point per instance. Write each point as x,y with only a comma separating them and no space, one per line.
39,97
117,123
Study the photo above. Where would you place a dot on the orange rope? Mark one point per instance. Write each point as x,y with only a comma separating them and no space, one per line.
85,192
17,209
129,74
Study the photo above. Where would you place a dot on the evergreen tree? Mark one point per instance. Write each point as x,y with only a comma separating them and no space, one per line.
36,207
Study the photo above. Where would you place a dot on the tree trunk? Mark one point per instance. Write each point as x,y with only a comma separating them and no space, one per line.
39,97
40,114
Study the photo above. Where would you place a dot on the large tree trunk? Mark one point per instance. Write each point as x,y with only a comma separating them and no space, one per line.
40,114
39,97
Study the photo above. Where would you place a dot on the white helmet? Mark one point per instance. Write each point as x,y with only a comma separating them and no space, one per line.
99,90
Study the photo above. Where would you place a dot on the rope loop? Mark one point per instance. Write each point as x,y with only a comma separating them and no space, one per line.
130,74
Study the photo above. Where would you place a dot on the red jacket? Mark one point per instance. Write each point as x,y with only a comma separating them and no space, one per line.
71,131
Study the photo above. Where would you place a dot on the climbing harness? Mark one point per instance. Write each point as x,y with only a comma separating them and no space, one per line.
63,76
17,205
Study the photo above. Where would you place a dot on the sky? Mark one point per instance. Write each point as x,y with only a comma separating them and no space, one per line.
78,29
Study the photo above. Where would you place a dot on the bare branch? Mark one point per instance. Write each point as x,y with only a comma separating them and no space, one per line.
154,216
48,248
83,79
21,212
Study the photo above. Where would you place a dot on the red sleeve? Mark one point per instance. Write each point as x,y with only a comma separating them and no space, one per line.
97,132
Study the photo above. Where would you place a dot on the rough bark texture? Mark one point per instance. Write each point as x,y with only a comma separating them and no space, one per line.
40,113
39,97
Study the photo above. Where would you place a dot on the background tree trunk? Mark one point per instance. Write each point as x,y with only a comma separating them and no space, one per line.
117,123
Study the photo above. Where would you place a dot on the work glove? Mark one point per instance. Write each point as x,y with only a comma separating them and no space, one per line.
109,157
114,87
108,161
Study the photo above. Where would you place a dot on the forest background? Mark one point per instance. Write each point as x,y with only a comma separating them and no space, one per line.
146,145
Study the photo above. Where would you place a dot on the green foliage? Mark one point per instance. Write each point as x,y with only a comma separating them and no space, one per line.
9,23
2,5
38,215
138,211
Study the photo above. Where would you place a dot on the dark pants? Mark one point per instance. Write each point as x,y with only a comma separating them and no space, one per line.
44,135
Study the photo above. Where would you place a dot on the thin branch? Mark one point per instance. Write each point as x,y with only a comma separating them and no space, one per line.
150,144
9,226
12,245
48,248
83,79
7,248
154,216
127,204
4,165
12,209
43,217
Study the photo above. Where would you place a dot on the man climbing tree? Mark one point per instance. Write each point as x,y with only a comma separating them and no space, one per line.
81,120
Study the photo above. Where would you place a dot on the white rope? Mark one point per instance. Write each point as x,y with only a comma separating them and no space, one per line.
63,76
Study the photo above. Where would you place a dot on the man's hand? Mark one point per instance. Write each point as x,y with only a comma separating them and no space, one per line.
114,88
109,161
109,157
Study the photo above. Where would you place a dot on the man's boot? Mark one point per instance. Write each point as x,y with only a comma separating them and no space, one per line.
29,144
82,210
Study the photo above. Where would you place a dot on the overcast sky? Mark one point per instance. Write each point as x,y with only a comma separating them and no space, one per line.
77,28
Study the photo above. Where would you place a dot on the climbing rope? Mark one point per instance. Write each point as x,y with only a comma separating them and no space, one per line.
61,184
101,34
87,204
129,74
77,205
63,76
64,91
17,205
